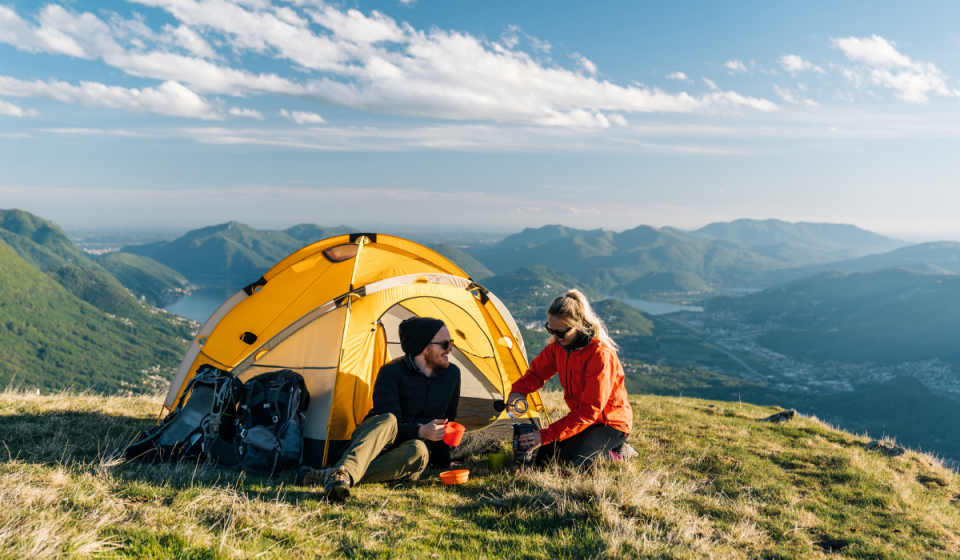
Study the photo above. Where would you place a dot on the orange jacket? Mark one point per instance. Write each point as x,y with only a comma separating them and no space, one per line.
592,381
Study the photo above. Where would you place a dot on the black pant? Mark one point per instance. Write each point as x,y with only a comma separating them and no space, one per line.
583,448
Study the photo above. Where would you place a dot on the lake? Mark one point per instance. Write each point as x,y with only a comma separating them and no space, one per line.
201,303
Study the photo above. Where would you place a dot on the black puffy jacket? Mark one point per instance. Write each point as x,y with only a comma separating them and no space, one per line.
404,391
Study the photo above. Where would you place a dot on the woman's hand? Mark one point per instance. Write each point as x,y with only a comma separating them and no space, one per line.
433,431
530,441
514,397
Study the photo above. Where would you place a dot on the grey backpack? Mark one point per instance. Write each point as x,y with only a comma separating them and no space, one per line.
269,425
202,419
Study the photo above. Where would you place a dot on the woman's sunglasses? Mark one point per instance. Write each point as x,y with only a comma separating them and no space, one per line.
446,344
558,334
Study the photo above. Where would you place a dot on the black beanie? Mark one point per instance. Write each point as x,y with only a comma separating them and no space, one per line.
417,332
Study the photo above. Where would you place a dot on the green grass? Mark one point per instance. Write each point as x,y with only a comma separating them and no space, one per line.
711,481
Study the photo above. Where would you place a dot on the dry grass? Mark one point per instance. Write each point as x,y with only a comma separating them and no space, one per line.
707,484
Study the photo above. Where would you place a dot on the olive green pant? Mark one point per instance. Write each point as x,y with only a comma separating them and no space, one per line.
368,458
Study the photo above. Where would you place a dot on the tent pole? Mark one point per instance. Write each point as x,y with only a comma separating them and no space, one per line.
343,340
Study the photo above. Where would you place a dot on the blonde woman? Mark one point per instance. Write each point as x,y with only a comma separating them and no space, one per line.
585,357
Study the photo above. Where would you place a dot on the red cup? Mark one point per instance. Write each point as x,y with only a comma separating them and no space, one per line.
453,433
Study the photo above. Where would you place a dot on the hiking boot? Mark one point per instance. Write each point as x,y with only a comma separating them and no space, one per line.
311,477
337,485
626,451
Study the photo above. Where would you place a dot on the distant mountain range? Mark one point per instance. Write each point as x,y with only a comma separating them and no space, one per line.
647,260
607,260
797,242
632,263
938,257
233,251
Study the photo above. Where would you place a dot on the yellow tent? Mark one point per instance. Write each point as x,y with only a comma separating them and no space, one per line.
331,312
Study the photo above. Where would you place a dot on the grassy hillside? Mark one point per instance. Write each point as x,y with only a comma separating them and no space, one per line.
50,338
39,242
156,283
885,317
470,265
711,481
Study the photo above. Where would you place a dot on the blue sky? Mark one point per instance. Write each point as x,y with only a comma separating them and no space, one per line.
481,115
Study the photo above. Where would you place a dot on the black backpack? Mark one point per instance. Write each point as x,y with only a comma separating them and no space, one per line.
269,431
194,425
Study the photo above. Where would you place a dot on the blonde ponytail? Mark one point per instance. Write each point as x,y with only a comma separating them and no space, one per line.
574,307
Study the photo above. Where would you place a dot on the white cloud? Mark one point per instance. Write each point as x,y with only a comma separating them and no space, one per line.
190,40
94,132
711,84
169,98
618,119
302,117
793,64
244,113
367,62
679,76
911,80
11,110
874,51
788,96
735,66
584,63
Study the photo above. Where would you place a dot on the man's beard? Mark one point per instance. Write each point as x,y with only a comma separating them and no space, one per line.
437,362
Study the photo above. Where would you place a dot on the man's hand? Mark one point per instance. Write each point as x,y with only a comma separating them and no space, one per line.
434,430
530,441
514,397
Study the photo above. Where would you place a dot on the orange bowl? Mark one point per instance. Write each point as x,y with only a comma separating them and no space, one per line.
455,477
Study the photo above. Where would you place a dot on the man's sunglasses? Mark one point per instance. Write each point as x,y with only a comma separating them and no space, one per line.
558,334
446,344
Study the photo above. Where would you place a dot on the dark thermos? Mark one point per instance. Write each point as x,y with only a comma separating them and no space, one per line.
524,456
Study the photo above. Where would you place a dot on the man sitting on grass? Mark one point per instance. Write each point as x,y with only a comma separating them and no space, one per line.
413,398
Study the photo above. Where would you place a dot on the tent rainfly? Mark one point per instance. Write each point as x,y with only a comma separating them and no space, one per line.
331,312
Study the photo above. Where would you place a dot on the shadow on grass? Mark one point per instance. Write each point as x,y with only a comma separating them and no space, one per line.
67,437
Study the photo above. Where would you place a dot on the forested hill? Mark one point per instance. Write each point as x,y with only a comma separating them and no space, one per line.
52,339
39,242
232,251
